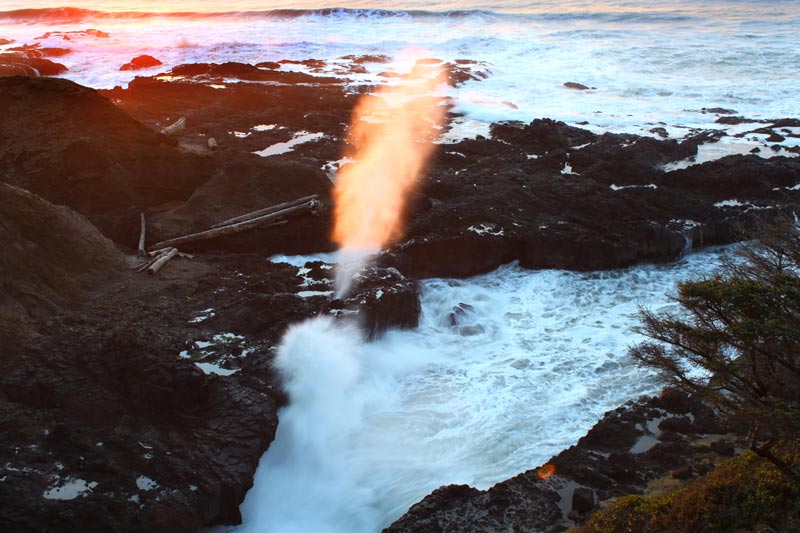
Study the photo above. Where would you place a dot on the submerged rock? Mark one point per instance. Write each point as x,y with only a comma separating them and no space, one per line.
23,64
578,86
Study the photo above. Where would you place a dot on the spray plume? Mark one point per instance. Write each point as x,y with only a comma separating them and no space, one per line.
391,138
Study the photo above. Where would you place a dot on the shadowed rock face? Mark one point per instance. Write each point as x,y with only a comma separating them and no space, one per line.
247,183
51,256
72,146
106,419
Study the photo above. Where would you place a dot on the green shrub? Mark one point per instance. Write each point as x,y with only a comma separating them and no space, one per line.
744,492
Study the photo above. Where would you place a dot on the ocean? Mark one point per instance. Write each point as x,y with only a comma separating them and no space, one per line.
374,427
653,64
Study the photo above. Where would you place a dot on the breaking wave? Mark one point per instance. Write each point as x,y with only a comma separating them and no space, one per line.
74,15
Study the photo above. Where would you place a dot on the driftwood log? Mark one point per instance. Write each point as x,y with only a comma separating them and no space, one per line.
161,260
158,258
142,234
141,267
176,127
155,253
251,220
266,211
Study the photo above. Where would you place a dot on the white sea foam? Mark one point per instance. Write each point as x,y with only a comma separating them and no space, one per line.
652,65
301,137
70,489
301,260
528,366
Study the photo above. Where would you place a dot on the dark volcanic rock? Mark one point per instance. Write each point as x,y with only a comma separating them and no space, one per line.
577,86
384,299
555,196
618,456
74,147
102,426
748,178
75,34
582,500
36,50
51,256
101,409
379,298
245,72
247,183
459,508
149,443
541,135
23,64
140,62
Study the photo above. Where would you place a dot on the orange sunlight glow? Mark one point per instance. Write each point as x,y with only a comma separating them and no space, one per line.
391,138
544,472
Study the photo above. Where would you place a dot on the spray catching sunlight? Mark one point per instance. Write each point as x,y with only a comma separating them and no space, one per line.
391,138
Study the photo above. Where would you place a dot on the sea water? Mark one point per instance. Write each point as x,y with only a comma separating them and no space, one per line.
531,362
536,357
652,63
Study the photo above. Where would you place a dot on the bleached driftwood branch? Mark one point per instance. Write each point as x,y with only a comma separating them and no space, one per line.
160,251
142,234
266,211
176,127
269,219
161,260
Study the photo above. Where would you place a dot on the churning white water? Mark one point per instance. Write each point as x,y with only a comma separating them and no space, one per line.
651,62
527,365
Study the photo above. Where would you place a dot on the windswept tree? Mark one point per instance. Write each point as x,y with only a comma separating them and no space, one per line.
736,340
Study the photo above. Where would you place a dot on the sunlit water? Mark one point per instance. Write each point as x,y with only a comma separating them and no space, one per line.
651,62
532,365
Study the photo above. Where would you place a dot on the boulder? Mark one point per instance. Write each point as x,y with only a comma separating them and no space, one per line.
51,257
36,50
98,159
582,500
140,62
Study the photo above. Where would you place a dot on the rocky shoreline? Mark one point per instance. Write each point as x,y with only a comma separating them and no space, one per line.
135,402
645,446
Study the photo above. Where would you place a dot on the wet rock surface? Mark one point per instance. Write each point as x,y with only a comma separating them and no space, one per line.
555,196
141,62
134,402
545,193
633,449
